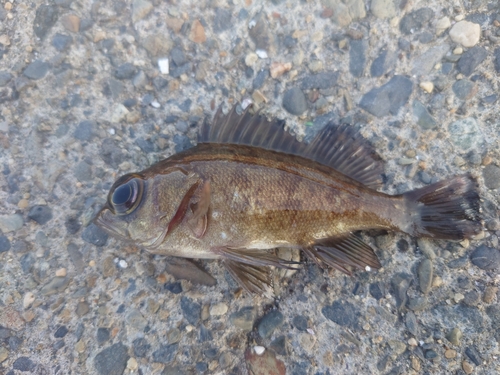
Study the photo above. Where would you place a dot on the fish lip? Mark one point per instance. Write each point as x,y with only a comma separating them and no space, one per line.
101,222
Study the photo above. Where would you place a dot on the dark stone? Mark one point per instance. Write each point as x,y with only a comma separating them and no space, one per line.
125,71
201,367
472,298
182,142
388,98
72,225
174,370
76,256
324,80
357,57
425,37
378,67
113,88
400,284
4,244
414,21
191,310
95,235
145,145
497,60
474,355
36,70
177,56
160,83
111,153
40,214
269,323
27,261
403,44
411,323
343,313
489,99
130,102
446,68
491,175
24,364
463,89
83,172
471,59
279,345
205,334
185,106
176,72
289,41
210,353
61,42
486,258
463,282
103,335
5,333
112,360
260,32
84,131
376,290
294,101
14,343
431,354
222,20
403,245
458,263
5,77
260,78
493,311
424,118
61,332
300,322
175,287
165,354
141,347
45,18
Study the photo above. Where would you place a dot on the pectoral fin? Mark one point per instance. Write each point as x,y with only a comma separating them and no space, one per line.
199,221
342,253
255,257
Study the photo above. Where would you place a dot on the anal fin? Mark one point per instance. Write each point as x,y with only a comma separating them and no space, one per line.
253,279
343,253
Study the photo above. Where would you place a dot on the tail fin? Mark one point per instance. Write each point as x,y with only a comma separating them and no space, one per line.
448,209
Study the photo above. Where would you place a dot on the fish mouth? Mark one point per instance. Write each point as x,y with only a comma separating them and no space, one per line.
110,224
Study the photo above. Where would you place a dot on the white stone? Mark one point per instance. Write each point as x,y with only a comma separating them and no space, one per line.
442,24
163,65
259,350
122,264
155,104
28,299
261,53
218,309
119,112
427,86
465,33
458,51
251,59
383,8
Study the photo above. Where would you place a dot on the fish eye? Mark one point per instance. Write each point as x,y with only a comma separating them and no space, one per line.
126,194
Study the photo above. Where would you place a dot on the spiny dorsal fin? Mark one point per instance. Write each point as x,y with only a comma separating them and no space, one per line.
339,147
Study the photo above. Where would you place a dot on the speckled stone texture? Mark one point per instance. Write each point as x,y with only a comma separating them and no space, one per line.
90,90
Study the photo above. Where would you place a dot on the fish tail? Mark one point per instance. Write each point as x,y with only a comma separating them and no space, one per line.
448,209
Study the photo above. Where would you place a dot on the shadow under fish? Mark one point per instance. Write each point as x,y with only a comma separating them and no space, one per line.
249,187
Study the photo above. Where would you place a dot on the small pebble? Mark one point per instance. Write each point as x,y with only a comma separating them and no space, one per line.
28,299
465,33
450,353
163,65
218,309
467,367
259,350
427,86
132,364
61,272
454,336
490,294
412,342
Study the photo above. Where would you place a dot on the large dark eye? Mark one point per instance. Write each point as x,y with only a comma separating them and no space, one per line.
126,194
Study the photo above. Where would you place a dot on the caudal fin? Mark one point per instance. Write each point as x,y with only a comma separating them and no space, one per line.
448,209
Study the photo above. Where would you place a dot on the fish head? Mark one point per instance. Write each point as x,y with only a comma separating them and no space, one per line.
144,208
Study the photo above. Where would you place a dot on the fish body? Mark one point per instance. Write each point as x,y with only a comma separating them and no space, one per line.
249,187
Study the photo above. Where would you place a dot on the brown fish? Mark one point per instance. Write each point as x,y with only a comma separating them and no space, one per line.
249,187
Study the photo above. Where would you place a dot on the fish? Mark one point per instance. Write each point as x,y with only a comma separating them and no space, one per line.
249,187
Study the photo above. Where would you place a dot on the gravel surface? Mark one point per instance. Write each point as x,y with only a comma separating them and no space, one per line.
90,90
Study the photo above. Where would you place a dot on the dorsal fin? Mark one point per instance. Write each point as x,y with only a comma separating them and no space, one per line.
339,147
